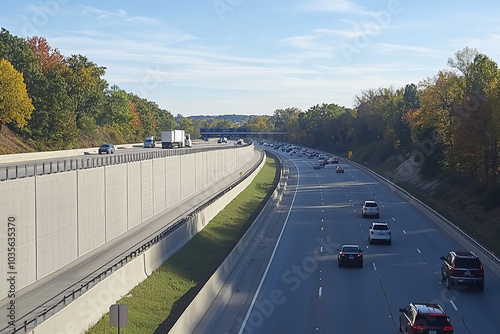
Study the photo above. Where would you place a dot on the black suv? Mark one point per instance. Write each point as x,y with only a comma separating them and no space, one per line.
423,318
462,268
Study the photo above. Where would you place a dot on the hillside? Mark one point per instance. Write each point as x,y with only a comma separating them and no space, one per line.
11,143
457,200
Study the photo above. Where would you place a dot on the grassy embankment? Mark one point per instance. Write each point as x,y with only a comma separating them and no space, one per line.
157,302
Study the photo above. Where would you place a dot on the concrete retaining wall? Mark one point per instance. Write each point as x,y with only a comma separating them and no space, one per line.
62,216
89,308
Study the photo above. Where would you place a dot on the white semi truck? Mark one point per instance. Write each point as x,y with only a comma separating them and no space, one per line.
175,138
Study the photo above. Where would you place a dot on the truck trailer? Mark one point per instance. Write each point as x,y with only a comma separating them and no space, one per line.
175,139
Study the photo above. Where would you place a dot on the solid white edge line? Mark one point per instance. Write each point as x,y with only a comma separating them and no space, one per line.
243,324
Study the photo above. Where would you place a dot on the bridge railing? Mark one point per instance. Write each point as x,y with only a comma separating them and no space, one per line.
30,169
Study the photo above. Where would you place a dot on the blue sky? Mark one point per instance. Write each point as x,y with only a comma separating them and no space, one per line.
251,57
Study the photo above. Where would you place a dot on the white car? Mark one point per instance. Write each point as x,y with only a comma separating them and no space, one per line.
379,232
370,208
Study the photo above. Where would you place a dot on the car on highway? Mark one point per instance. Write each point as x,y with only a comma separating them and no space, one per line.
370,208
462,269
350,255
424,318
339,169
106,148
334,160
317,166
379,231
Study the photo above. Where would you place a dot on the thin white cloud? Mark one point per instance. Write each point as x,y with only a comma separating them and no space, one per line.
333,6
113,17
387,47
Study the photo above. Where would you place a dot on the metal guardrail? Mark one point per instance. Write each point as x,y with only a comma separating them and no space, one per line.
61,300
30,169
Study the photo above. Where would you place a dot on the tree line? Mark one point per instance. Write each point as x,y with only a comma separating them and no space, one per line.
58,102
449,122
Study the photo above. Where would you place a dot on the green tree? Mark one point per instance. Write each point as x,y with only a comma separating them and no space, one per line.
475,137
148,125
260,123
54,122
118,114
15,104
186,124
164,118
85,86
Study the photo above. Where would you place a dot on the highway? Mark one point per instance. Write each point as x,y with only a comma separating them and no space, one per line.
23,165
292,283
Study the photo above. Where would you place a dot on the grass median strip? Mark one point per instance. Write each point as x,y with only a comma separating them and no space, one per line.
157,302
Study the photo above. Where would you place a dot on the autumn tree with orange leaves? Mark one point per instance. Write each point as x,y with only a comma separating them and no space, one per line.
50,59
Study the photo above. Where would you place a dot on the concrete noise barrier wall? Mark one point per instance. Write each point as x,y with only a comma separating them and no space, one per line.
59,217
78,316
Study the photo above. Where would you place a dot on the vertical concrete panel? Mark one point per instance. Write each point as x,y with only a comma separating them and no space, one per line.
17,206
134,206
234,160
116,200
200,170
159,184
187,175
209,173
230,162
219,163
56,218
173,180
226,167
91,209
147,189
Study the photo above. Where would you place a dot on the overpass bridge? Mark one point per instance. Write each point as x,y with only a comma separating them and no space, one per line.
236,133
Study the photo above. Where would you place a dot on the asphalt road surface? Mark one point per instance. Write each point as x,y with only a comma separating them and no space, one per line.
289,282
